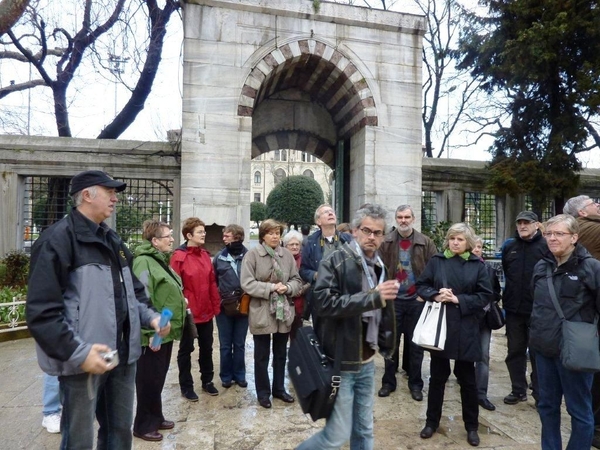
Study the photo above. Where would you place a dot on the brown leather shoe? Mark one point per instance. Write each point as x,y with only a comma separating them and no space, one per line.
153,436
166,425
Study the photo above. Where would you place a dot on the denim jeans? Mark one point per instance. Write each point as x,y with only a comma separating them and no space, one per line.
407,316
352,416
232,338
482,368
51,395
108,397
554,382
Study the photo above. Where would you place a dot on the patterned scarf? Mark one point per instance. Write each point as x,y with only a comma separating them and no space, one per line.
278,303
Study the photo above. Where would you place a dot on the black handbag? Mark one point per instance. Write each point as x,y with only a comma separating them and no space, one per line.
580,344
315,377
494,318
230,302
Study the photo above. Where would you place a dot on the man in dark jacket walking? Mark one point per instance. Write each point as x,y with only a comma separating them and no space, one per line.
587,213
519,256
83,301
318,246
405,253
353,302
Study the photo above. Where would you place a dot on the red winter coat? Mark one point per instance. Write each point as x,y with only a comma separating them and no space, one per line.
195,268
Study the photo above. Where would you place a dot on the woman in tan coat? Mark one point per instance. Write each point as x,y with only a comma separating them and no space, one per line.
270,277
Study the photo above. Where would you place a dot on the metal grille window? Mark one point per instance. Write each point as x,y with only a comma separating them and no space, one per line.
547,211
47,201
428,210
480,213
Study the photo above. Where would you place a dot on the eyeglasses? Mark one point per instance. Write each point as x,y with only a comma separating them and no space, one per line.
293,244
368,232
592,202
200,232
558,234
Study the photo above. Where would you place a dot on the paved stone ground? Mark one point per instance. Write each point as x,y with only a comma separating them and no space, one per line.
233,420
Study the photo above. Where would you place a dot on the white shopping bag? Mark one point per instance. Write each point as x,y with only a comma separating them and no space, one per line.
430,331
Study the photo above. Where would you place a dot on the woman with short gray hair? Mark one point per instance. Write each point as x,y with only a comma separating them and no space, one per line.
575,278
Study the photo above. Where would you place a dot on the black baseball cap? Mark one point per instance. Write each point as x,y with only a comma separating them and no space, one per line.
94,178
529,216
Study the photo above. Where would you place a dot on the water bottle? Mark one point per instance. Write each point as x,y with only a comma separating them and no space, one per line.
165,316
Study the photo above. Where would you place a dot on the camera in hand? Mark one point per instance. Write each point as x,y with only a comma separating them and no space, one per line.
111,358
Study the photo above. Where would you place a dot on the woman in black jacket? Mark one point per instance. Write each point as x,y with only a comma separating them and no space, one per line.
459,279
575,276
232,329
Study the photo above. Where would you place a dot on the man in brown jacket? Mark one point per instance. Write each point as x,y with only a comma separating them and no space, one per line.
405,252
587,213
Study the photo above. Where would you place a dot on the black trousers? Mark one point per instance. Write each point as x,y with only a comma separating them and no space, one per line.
152,368
517,334
205,360
262,351
465,374
407,316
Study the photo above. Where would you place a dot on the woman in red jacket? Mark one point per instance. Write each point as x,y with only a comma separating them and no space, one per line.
192,263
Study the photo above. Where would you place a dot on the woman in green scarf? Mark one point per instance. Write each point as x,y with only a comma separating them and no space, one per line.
164,289
458,279
270,277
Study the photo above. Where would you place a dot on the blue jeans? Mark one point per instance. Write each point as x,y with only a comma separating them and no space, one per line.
554,381
482,368
352,416
232,338
51,395
108,397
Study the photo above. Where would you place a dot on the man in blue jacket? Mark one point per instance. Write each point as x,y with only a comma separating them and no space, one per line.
83,303
320,244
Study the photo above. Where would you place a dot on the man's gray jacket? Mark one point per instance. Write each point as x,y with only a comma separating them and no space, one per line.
71,296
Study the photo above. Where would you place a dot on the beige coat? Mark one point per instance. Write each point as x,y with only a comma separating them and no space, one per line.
255,280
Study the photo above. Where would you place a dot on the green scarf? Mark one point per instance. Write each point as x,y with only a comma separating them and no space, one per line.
448,254
278,303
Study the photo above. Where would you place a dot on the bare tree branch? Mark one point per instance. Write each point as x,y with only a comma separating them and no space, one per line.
4,91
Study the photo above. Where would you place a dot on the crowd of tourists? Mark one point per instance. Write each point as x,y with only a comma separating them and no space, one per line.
105,320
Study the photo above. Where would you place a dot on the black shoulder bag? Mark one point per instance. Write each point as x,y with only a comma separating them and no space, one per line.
315,378
580,346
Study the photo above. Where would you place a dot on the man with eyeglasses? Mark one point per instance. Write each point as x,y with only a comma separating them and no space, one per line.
83,303
519,256
318,246
354,303
587,213
405,253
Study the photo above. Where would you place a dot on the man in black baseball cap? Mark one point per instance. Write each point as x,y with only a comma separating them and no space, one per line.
94,178
84,303
519,255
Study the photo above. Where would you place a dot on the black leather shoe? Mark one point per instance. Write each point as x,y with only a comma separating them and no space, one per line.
486,404
166,425
227,384
243,383
417,395
427,432
385,390
473,438
284,396
264,402
190,395
153,436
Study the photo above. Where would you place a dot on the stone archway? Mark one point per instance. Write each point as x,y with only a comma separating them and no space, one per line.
342,83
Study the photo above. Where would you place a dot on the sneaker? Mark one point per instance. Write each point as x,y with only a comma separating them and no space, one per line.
210,389
513,399
190,395
52,423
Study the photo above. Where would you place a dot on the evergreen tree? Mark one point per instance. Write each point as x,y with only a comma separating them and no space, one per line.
294,200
